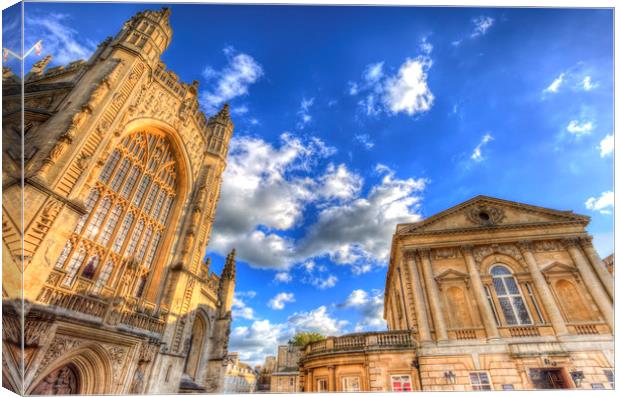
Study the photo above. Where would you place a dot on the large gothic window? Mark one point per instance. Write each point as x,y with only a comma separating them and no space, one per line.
509,296
126,213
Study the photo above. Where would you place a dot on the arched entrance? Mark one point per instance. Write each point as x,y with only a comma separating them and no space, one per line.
196,346
86,370
64,380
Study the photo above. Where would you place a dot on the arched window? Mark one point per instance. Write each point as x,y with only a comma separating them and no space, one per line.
104,276
126,211
509,296
64,255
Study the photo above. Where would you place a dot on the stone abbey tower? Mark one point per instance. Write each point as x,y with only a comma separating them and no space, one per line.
121,178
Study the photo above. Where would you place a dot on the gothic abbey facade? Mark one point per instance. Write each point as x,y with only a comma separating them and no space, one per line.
121,178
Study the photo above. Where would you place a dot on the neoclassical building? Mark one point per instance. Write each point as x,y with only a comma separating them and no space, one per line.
487,295
121,178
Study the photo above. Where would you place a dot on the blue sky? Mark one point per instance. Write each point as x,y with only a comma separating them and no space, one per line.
349,120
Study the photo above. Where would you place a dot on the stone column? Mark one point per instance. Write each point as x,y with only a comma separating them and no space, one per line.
591,281
309,384
331,380
551,306
479,294
600,268
418,299
433,296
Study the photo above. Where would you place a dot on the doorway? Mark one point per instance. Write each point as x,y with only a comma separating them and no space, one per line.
548,378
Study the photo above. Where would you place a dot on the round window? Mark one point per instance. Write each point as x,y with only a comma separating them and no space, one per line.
484,216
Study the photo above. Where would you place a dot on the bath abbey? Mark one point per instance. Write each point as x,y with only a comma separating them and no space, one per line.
121,179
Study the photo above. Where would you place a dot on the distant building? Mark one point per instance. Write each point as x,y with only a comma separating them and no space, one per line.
487,295
285,378
239,377
263,382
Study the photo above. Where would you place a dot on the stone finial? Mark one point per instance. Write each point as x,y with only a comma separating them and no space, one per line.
39,67
229,270
224,114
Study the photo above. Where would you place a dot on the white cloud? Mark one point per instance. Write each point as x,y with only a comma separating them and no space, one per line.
373,72
353,88
425,46
283,277
232,81
258,340
587,84
477,153
367,238
64,43
338,182
579,128
481,25
370,307
267,189
259,191
240,308
364,140
317,320
607,145
304,112
604,203
408,91
323,282
555,84
279,301
358,297
262,337
240,110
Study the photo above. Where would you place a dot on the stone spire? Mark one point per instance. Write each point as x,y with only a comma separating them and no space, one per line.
220,129
229,271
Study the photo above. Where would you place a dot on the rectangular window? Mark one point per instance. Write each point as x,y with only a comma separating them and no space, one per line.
530,292
351,383
401,383
291,381
480,380
508,387
321,385
492,304
609,373
597,385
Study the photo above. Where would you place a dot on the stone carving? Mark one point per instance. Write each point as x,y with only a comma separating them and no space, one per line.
36,328
59,345
546,245
445,253
508,249
485,215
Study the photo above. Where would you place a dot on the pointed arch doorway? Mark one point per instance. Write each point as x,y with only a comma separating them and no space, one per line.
64,380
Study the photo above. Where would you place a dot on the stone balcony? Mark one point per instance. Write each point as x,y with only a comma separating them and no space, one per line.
361,342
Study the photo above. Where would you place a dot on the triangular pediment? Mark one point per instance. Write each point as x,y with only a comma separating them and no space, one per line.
488,212
557,267
451,274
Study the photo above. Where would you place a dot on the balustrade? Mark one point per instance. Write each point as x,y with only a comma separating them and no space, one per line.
71,301
365,341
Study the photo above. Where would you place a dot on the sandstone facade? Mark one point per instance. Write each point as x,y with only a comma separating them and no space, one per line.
121,178
487,295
